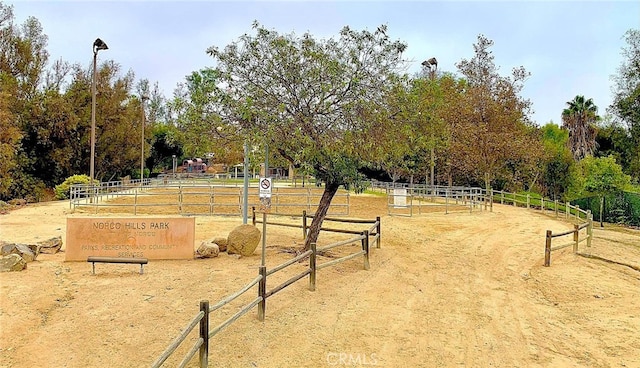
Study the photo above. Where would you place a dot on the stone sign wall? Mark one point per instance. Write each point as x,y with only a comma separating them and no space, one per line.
151,238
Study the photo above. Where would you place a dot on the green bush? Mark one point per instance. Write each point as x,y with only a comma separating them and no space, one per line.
62,190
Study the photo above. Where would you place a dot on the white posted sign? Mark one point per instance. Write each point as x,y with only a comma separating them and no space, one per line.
265,187
400,198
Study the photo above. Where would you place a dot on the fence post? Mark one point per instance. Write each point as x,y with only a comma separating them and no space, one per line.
501,197
304,224
566,210
262,290
253,215
491,201
378,227
312,266
555,203
365,248
204,334
542,204
211,199
446,201
576,234
528,201
547,249
589,228
577,211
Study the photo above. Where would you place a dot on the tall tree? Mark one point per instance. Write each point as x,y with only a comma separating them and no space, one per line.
492,126
557,161
626,100
23,57
306,98
580,118
193,110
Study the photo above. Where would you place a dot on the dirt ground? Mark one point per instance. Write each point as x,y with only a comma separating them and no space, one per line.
444,290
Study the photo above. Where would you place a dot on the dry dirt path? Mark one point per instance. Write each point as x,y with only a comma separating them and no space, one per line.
456,290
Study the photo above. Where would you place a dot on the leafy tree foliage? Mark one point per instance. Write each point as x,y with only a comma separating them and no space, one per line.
614,139
558,161
600,177
193,111
626,103
307,97
45,115
491,134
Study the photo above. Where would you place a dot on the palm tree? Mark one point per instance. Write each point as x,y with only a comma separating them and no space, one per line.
580,119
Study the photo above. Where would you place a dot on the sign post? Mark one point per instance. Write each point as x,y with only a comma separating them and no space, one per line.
265,206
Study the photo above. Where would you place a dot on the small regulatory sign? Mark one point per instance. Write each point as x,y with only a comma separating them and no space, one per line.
265,187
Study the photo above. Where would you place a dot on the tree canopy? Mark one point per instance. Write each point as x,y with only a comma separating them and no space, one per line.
307,98
626,100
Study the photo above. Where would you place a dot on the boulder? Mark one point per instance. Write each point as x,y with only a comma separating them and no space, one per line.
35,248
12,262
21,250
222,243
207,249
243,240
51,246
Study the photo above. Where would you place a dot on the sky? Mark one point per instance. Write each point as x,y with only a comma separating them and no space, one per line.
569,47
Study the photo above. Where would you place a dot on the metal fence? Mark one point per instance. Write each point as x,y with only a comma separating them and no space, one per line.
619,208
194,196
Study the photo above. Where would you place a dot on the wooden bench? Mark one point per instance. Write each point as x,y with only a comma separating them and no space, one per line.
140,261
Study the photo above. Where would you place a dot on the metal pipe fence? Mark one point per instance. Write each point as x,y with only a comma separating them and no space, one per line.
193,197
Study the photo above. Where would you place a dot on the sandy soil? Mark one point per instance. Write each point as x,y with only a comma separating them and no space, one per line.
444,290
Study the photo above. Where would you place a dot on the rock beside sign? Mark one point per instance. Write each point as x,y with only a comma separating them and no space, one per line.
26,253
222,243
50,246
12,262
22,250
243,240
208,249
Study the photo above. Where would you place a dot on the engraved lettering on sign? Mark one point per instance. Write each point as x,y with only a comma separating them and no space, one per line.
151,238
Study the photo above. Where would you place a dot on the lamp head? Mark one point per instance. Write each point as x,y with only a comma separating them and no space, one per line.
98,44
428,63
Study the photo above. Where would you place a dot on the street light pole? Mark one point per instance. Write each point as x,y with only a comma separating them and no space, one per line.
143,98
98,45
432,74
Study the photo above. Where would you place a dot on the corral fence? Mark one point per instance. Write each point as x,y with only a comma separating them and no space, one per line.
195,196
413,198
407,200
201,319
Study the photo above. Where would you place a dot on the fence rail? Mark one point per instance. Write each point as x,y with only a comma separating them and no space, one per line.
575,242
201,344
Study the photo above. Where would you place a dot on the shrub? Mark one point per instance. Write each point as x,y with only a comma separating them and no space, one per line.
62,190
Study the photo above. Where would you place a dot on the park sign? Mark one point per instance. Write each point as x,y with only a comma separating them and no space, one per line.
131,237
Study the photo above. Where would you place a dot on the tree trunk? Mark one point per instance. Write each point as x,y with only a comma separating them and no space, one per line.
330,190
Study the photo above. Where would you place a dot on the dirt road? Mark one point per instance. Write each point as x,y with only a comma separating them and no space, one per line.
444,290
